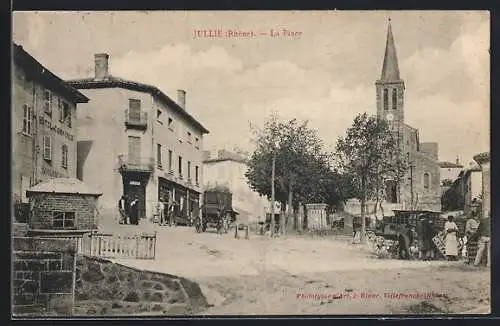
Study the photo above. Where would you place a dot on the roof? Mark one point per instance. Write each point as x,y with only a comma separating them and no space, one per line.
416,211
35,70
112,82
63,186
446,164
390,68
224,155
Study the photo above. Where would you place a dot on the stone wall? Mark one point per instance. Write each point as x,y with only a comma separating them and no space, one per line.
42,276
44,205
107,288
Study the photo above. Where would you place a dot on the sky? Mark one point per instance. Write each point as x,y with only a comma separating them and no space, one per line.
326,75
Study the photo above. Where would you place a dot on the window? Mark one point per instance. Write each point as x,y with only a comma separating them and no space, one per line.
386,99
63,220
394,99
28,119
196,174
197,142
134,109
170,155
427,180
47,102
158,156
189,170
188,137
180,167
158,115
170,124
47,148
67,114
60,110
64,156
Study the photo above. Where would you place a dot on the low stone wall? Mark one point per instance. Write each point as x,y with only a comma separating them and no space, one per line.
42,276
107,288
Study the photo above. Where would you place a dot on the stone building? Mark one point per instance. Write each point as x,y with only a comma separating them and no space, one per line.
225,168
421,186
44,143
135,140
450,170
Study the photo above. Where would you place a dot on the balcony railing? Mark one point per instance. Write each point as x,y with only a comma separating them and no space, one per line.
135,119
133,163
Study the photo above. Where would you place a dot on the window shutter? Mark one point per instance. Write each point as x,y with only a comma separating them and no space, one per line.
47,148
25,118
61,110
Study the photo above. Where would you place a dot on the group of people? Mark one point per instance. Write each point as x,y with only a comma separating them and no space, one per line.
166,211
475,230
129,210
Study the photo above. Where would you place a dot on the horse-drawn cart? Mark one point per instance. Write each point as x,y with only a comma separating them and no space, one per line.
216,211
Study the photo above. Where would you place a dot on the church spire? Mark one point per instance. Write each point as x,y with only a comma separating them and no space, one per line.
390,69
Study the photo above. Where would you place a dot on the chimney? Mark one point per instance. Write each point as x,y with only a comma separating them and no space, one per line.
181,98
101,65
457,161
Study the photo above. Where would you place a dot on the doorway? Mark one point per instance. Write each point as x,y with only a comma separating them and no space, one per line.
138,189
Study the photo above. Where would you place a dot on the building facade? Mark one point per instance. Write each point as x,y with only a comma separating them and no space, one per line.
420,188
44,137
225,168
450,171
135,140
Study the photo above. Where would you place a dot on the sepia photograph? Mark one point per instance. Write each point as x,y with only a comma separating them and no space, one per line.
259,163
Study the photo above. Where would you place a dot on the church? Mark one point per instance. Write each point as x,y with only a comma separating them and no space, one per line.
420,189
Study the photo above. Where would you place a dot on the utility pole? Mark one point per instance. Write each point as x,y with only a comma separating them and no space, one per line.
272,192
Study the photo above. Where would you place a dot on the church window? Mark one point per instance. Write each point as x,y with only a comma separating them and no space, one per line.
427,180
386,99
394,99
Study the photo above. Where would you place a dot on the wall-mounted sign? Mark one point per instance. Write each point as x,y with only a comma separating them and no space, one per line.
53,127
135,183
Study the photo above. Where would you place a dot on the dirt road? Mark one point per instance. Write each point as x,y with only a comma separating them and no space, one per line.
313,276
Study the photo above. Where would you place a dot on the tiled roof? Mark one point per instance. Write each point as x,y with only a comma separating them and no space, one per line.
450,165
35,70
63,186
112,81
482,158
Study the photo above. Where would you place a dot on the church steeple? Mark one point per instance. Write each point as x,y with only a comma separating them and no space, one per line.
390,87
390,68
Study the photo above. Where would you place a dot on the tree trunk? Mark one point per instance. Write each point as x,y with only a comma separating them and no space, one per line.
273,194
290,209
363,219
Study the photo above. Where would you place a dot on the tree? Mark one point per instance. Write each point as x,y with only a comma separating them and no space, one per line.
369,154
302,171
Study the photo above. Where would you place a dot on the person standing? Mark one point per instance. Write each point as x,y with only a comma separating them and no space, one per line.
122,208
161,211
134,211
451,242
426,238
484,234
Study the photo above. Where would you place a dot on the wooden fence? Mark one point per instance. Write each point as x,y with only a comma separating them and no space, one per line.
140,246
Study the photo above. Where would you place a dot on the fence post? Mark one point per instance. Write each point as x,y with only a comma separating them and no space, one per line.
137,241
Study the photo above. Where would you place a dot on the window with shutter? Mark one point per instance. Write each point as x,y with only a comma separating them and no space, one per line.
28,119
158,156
47,148
64,156
47,102
60,107
67,114
134,109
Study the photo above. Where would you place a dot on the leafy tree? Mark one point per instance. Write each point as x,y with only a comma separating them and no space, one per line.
369,154
302,171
